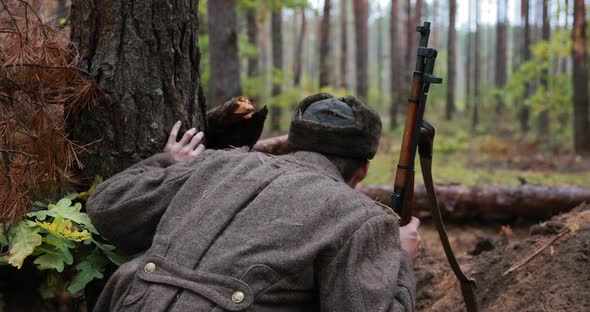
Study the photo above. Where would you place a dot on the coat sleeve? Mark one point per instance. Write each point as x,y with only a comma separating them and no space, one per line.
370,272
127,207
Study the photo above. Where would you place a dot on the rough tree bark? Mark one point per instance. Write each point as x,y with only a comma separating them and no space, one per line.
394,48
524,112
361,20
277,64
501,51
343,45
543,118
224,81
450,105
476,99
299,50
580,78
325,46
145,55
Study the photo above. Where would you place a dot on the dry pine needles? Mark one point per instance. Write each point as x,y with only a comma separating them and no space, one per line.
40,83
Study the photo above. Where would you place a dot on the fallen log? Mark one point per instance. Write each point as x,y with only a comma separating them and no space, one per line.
491,202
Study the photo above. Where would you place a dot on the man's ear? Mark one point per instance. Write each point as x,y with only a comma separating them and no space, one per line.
359,174
364,169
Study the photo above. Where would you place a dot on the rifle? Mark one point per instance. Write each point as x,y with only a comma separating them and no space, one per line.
419,136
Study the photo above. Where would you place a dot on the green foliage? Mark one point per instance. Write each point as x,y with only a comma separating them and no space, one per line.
92,267
558,94
246,49
23,238
252,87
270,4
58,237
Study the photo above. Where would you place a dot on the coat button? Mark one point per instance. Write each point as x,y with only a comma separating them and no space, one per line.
237,297
149,267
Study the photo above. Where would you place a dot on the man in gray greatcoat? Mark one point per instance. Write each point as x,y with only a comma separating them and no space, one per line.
231,230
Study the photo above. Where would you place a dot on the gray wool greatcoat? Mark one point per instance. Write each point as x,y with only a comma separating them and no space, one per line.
242,231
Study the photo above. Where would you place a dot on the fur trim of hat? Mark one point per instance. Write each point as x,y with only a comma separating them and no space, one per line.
359,140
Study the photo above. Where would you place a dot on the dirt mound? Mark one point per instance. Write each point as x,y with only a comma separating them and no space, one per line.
548,271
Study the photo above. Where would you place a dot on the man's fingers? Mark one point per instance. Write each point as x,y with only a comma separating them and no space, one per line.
195,141
187,136
174,132
414,223
198,150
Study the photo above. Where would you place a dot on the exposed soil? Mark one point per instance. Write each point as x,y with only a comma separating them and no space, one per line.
550,262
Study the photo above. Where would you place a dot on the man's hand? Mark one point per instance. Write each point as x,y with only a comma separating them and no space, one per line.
188,147
410,238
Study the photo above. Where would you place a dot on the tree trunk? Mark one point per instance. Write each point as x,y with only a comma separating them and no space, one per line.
450,106
396,81
252,29
580,79
299,50
224,81
526,55
563,61
501,51
325,46
277,64
543,118
379,55
490,202
343,45
434,34
468,69
476,99
252,32
415,23
145,55
361,20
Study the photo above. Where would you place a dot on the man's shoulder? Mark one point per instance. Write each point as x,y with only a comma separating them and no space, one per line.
318,191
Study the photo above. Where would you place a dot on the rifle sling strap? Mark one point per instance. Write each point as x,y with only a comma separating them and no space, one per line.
468,285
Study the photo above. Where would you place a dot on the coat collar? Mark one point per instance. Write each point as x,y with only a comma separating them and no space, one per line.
317,162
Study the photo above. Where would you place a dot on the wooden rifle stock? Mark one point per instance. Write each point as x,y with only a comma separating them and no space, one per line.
402,198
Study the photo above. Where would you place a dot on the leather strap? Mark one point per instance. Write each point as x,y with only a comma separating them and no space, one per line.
468,285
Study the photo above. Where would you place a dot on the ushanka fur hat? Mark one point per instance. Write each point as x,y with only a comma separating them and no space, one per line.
343,127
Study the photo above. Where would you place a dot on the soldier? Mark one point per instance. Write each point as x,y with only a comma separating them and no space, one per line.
235,230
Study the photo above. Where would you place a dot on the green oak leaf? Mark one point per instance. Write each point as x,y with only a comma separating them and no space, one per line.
54,260
55,253
65,209
109,251
90,268
23,240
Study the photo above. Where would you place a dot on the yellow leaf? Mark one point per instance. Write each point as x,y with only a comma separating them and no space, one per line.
64,228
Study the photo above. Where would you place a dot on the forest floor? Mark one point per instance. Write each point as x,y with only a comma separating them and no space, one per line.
555,279
550,264
486,160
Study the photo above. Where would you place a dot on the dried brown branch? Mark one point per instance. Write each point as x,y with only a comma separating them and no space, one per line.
40,83
50,67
